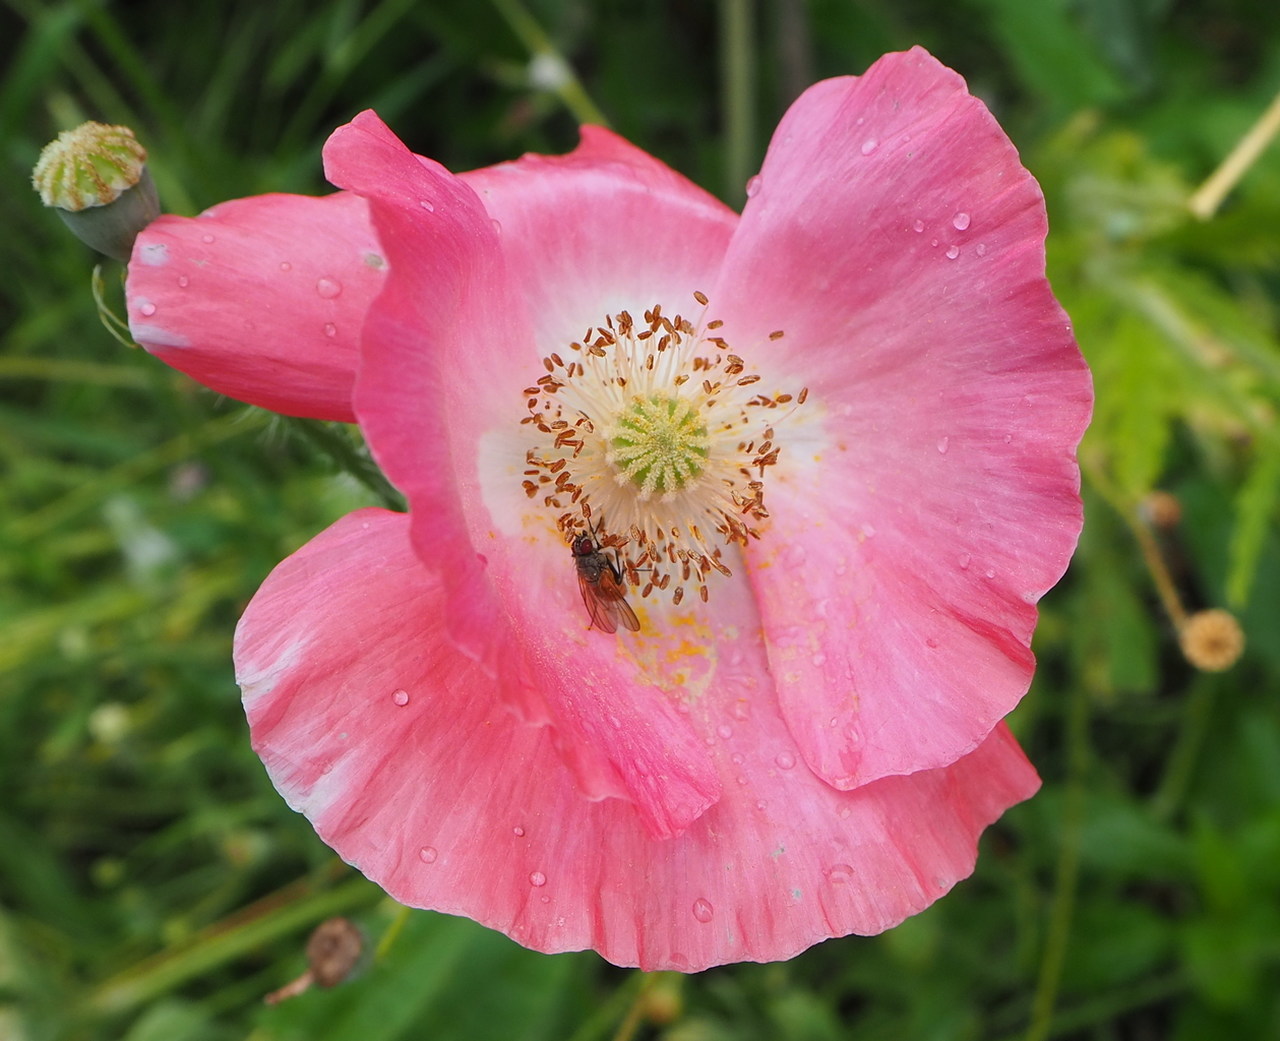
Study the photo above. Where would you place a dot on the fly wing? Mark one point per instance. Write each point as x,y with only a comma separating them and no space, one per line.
603,613
613,596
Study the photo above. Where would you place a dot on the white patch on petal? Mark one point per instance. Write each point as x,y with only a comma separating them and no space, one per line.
154,254
156,336
257,680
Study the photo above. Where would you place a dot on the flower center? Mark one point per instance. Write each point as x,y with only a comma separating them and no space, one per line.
661,444
648,437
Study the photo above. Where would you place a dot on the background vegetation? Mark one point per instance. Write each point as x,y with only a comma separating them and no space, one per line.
153,885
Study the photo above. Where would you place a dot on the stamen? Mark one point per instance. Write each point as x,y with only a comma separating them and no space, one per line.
663,468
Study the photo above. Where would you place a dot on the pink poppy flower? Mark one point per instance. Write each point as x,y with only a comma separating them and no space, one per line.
826,450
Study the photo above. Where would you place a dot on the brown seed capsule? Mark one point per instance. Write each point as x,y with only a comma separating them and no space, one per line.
1212,640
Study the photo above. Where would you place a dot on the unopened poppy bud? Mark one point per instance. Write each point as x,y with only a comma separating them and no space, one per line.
96,179
333,951
1212,640
1162,509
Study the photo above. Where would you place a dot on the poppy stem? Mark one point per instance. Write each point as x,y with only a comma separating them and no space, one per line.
737,96
566,85
1206,199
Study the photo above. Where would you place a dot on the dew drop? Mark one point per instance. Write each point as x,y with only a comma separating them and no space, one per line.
819,660
401,697
537,879
738,758
980,249
725,731
918,226
518,831
870,145
1008,439
953,252
183,281
427,205
990,573
753,186
702,910
839,874
845,813
146,308
943,444
931,642
428,854
206,238
328,288
933,242
330,330
497,225
285,266
965,561
960,221
761,804
785,760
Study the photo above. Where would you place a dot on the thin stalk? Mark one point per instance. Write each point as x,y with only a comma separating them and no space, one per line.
1068,870
568,88
737,92
1206,199
283,912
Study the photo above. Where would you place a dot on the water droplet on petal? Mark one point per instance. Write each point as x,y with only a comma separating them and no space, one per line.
761,804
943,444
819,660
206,238
328,288
146,308
725,731
839,874
183,281
953,252
427,205
965,561
870,145
785,760
428,854
1008,439
285,266
702,910
931,642
980,249
330,330
990,573
518,832
753,186
400,697
960,221
918,225
497,225
933,242
738,758
537,879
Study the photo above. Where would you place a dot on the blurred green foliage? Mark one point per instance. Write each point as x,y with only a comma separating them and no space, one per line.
152,884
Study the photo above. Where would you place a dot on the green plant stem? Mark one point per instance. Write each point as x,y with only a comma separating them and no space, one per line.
737,94
1181,763
1068,870
569,90
286,911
